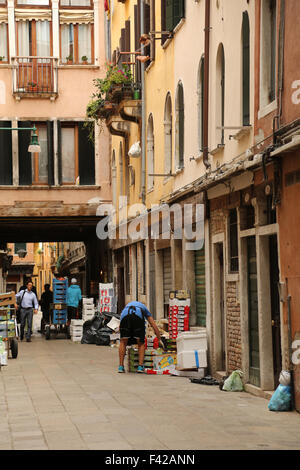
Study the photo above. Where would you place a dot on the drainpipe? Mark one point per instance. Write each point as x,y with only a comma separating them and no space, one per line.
143,188
277,118
206,83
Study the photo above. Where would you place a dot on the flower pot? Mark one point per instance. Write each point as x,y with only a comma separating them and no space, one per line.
32,88
85,62
136,94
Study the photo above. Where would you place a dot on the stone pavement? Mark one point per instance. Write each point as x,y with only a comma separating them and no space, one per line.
63,395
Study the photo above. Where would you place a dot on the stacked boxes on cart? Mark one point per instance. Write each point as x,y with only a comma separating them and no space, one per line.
7,326
76,330
179,313
88,309
60,310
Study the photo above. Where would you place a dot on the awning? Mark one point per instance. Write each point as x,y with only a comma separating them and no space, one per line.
32,14
76,16
3,16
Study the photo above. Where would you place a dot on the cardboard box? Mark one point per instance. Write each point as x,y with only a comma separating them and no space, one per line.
192,359
165,362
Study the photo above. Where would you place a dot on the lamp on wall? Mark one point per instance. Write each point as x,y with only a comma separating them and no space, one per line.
21,253
34,146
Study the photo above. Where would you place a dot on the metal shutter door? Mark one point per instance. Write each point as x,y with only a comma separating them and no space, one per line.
200,287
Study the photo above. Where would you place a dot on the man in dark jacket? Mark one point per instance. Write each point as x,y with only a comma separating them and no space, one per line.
46,300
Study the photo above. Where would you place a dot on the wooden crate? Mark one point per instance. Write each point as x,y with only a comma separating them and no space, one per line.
7,299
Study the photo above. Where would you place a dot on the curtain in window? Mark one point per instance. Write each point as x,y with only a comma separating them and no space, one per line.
75,3
32,2
3,40
23,38
42,38
84,42
68,154
65,41
42,177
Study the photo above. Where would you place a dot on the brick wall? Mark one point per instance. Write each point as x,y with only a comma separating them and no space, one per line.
233,328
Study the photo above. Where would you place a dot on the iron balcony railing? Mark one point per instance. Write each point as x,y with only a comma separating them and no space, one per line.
35,75
129,59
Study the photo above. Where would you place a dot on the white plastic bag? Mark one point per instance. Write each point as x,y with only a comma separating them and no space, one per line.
285,378
135,150
3,358
234,382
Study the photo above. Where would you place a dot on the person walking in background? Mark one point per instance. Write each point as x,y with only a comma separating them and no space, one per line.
73,298
46,301
25,286
132,329
28,305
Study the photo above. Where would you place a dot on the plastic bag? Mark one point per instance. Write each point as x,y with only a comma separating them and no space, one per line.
90,329
234,382
103,336
281,399
135,150
285,377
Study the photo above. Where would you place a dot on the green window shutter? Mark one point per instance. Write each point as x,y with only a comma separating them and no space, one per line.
59,153
246,70
200,287
5,154
50,153
178,11
86,151
169,15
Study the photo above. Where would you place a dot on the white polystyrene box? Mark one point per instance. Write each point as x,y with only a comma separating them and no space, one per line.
191,341
187,359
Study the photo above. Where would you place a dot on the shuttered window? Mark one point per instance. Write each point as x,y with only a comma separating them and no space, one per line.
246,69
172,11
5,154
233,241
200,287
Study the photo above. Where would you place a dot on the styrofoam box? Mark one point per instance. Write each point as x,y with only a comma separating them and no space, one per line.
76,339
187,359
88,307
87,301
76,330
192,340
76,322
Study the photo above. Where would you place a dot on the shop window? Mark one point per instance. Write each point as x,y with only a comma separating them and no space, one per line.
179,127
268,52
3,43
76,154
77,43
5,154
233,241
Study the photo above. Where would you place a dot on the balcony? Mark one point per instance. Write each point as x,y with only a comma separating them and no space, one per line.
35,77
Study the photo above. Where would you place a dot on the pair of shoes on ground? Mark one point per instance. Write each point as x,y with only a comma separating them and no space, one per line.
140,369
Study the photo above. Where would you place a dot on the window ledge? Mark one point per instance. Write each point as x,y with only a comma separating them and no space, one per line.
151,190
179,170
245,130
267,109
150,66
218,149
175,30
77,66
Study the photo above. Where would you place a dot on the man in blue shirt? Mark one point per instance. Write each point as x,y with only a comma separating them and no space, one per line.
28,304
132,325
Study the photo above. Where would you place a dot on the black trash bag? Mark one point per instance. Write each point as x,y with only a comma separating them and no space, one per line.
103,336
107,316
208,380
90,329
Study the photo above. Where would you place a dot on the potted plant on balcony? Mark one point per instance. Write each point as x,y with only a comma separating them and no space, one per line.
2,58
32,86
84,60
69,59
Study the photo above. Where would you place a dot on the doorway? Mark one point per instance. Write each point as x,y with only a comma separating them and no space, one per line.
254,365
219,307
275,308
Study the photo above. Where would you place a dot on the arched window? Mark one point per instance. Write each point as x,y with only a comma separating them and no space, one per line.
220,96
150,152
114,179
121,169
246,68
179,127
200,91
168,134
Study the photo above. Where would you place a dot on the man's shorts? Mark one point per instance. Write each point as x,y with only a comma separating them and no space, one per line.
132,326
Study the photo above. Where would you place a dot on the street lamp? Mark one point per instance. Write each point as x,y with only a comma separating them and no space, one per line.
34,146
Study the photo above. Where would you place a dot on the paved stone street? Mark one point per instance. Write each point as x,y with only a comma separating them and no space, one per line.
63,395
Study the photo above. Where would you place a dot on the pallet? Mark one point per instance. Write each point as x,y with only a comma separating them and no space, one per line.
7,299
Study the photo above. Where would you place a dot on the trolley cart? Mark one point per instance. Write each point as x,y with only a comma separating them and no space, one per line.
58,310
8,323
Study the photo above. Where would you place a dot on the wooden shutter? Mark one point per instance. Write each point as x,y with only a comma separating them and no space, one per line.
86,152
25,160
254,363
163,21
178,11
137,35
5,154
127,41
50,153
152,53
146,18
169,15
59,152
246,70
200,287
181,125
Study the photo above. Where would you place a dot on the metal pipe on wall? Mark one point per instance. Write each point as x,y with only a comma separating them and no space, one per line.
143,175
206,83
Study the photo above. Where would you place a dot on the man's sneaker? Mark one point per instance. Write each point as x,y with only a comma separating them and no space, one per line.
121,369
140,369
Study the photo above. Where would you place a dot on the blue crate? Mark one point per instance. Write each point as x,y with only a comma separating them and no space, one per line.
60,317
